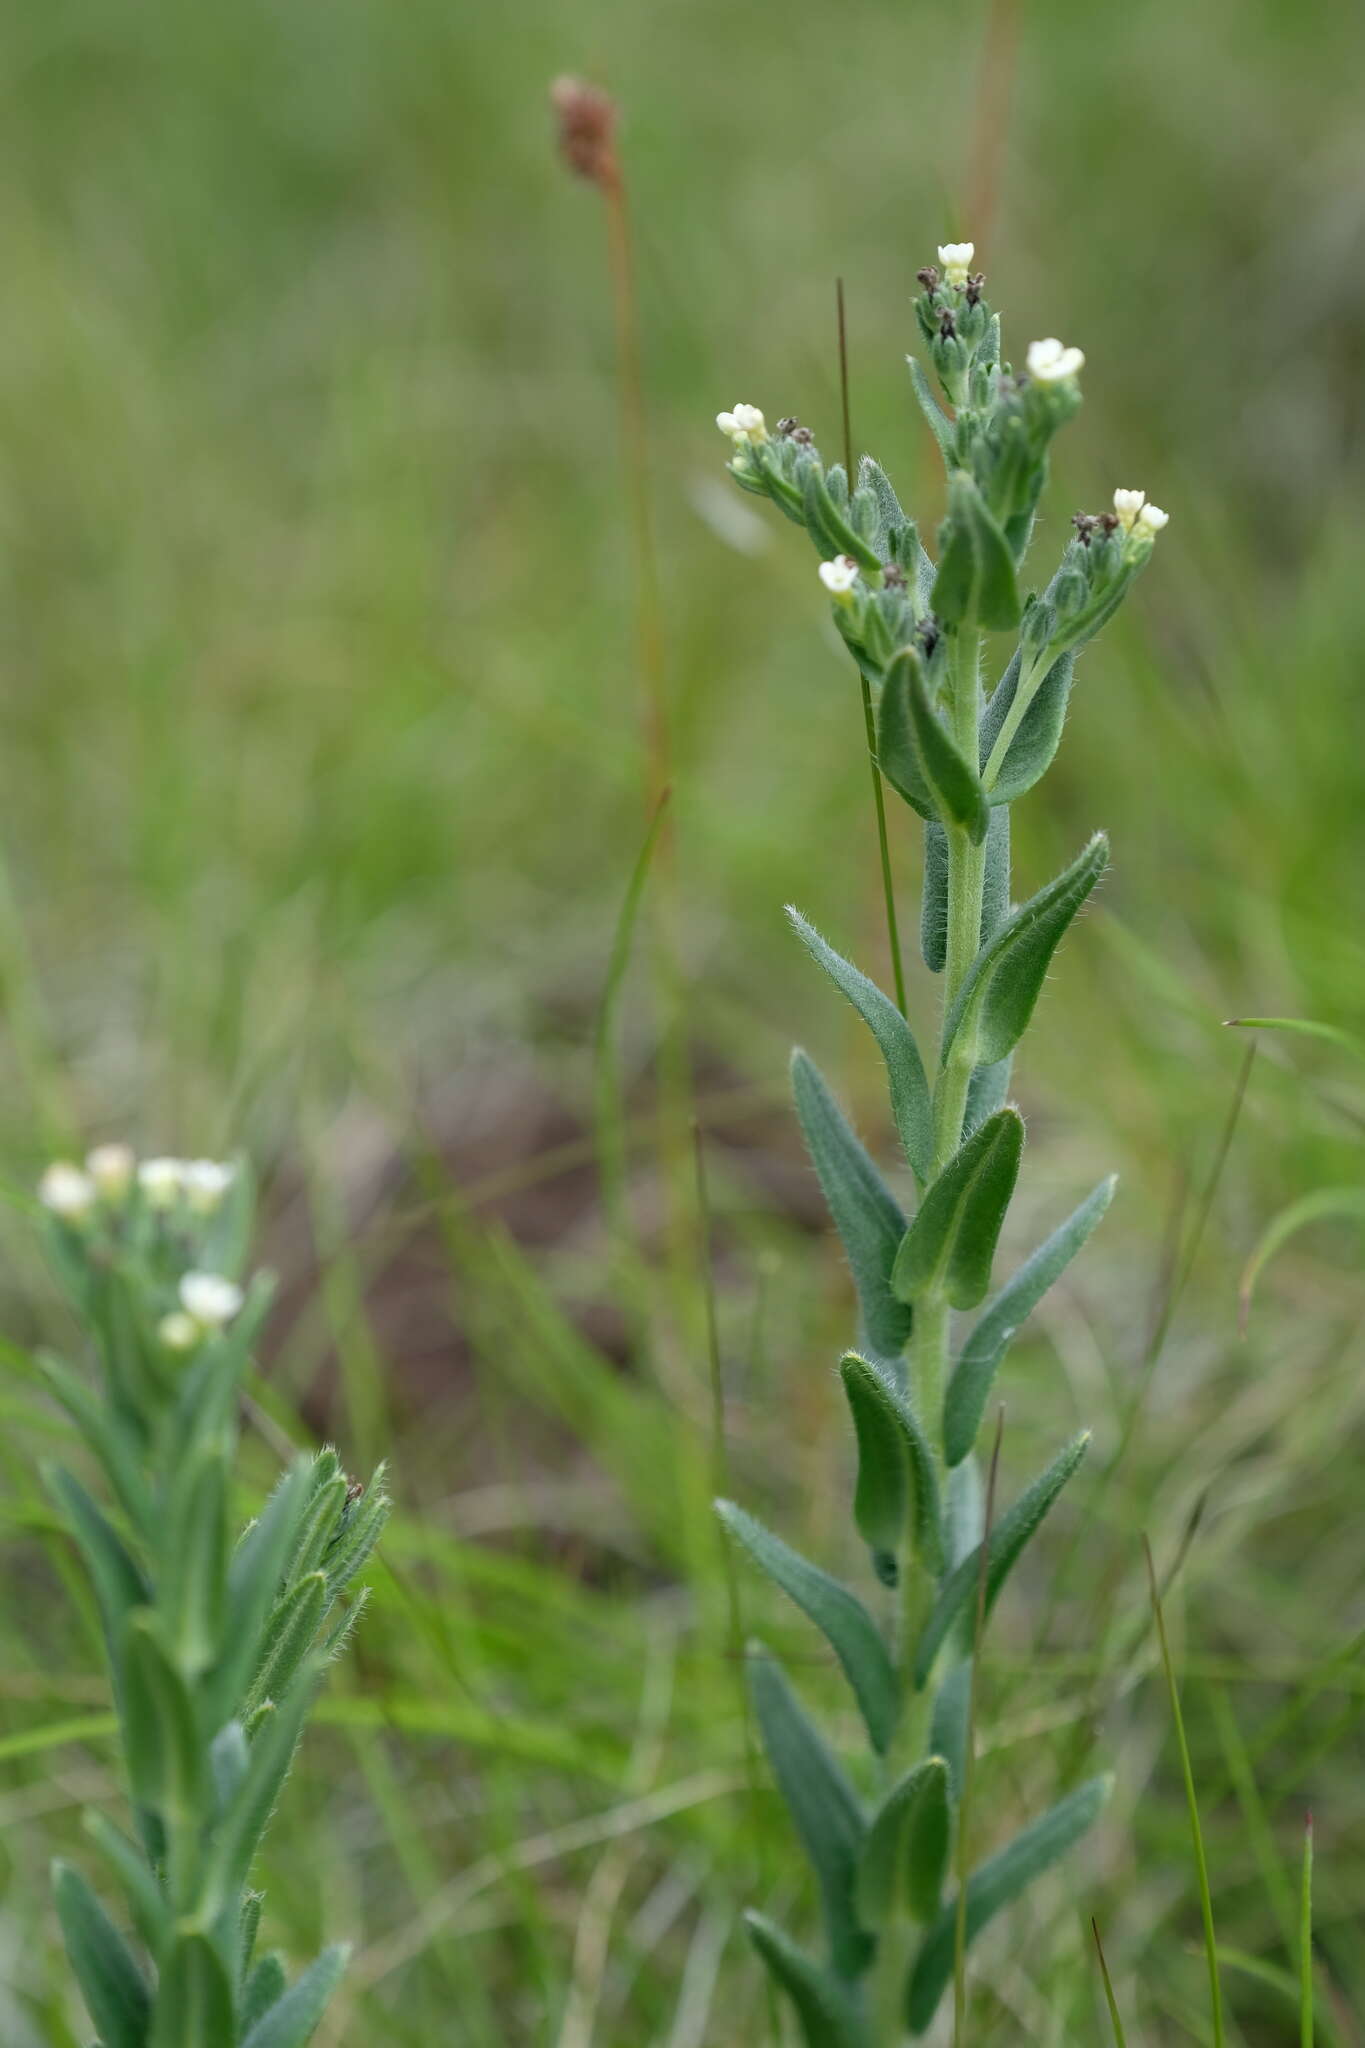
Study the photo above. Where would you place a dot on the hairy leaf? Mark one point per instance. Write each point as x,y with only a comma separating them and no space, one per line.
827,2016
998,996
918,755
838,1614
112,1985
1030,751
195,2005
905,1855
865,1212
896,1468
293,2019
951,1243
933,921
970,1385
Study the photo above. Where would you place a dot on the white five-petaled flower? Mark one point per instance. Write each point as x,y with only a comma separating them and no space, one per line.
111,1167
1050,362
179,1331
1127,505
162,1181
744,425
956,258
839,576
210,1299
67,1192
1153,518
206,1181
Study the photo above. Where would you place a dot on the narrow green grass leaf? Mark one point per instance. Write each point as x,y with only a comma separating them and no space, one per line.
995,1885
838,1614
112,1985
1115,2016
1306,1940
1320,1206
1007,1541
918,756
1304,1027
911,1105
905,1855
1002,988
950,1246
293,2019
972,1378
897,1493
866,1214
822,1804
825,2012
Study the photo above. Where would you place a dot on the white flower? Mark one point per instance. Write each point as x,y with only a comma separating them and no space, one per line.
839,576
206,1181
179,1331
1051,363
210,1299
1153,518
67,1192
1127,504
744,425
956,258
111,1168
162,1181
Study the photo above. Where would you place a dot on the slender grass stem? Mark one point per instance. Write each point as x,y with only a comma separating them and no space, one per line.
1115,2016
1306,1940
1196,1832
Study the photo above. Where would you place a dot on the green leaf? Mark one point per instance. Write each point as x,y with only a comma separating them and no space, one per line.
1007,1540
976,582
290,1636
361,1528
838,1614
106,1434
256,1575
933,920
294,2018
821,1802
195,2006
895,1467
244,1822
905,1854
951,1243
1304,1027
1003,984
948,1724
997,1884
119,1584
940,426
866,1214
323,1520
161,1736
146,1902
1318,1206
970,1385
832,533
1030,752
918,756
891,520
192,1553
112,1985
995,898
264,1987
827,2015
228,1757
910,1102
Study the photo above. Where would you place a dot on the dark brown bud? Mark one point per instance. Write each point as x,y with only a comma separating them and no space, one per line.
788,425
928,277
974,287
947,326
893,576
802,436
587,129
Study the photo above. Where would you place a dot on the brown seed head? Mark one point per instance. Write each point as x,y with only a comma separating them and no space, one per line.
587,129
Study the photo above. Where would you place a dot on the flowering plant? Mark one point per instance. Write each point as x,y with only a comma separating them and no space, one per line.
214,1648
959,755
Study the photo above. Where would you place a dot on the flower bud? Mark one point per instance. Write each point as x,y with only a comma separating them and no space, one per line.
956,261
745,425
67,1192
210,1299
206,1181
111,1168
179,1331
162,1182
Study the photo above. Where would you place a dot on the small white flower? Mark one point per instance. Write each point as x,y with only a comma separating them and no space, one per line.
1153,518
839,576
206,1181
745,425
179,1331
67,1192
162,1181
1051,363
1127,504
956,258
111,1167
210,1299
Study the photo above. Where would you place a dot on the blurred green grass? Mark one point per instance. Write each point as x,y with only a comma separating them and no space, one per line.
321,778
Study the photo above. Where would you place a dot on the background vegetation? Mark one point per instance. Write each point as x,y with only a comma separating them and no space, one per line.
321,770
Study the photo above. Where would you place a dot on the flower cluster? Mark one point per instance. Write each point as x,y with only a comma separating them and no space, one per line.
112,1172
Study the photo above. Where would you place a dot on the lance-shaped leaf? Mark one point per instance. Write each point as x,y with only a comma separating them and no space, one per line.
290,1636
323,1520
192,1547
905,1855
910,1101
897,1492
829,527
997,1884
1007,1540
999,993
891,520
918,756
242,1825
825,2011
106,1434
195,2005
361,1528
265,1987
939,424
866,1214
293,2019
161,1736
839,1615
948,1724
970,1385
112,1985
1029,752
821,1802
255,1576
949,1247
976,581
995,893
146,1901
118,1582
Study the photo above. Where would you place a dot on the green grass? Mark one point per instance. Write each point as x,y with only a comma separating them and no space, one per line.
322,796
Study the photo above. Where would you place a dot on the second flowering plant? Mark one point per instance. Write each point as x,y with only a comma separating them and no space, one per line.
901,1897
